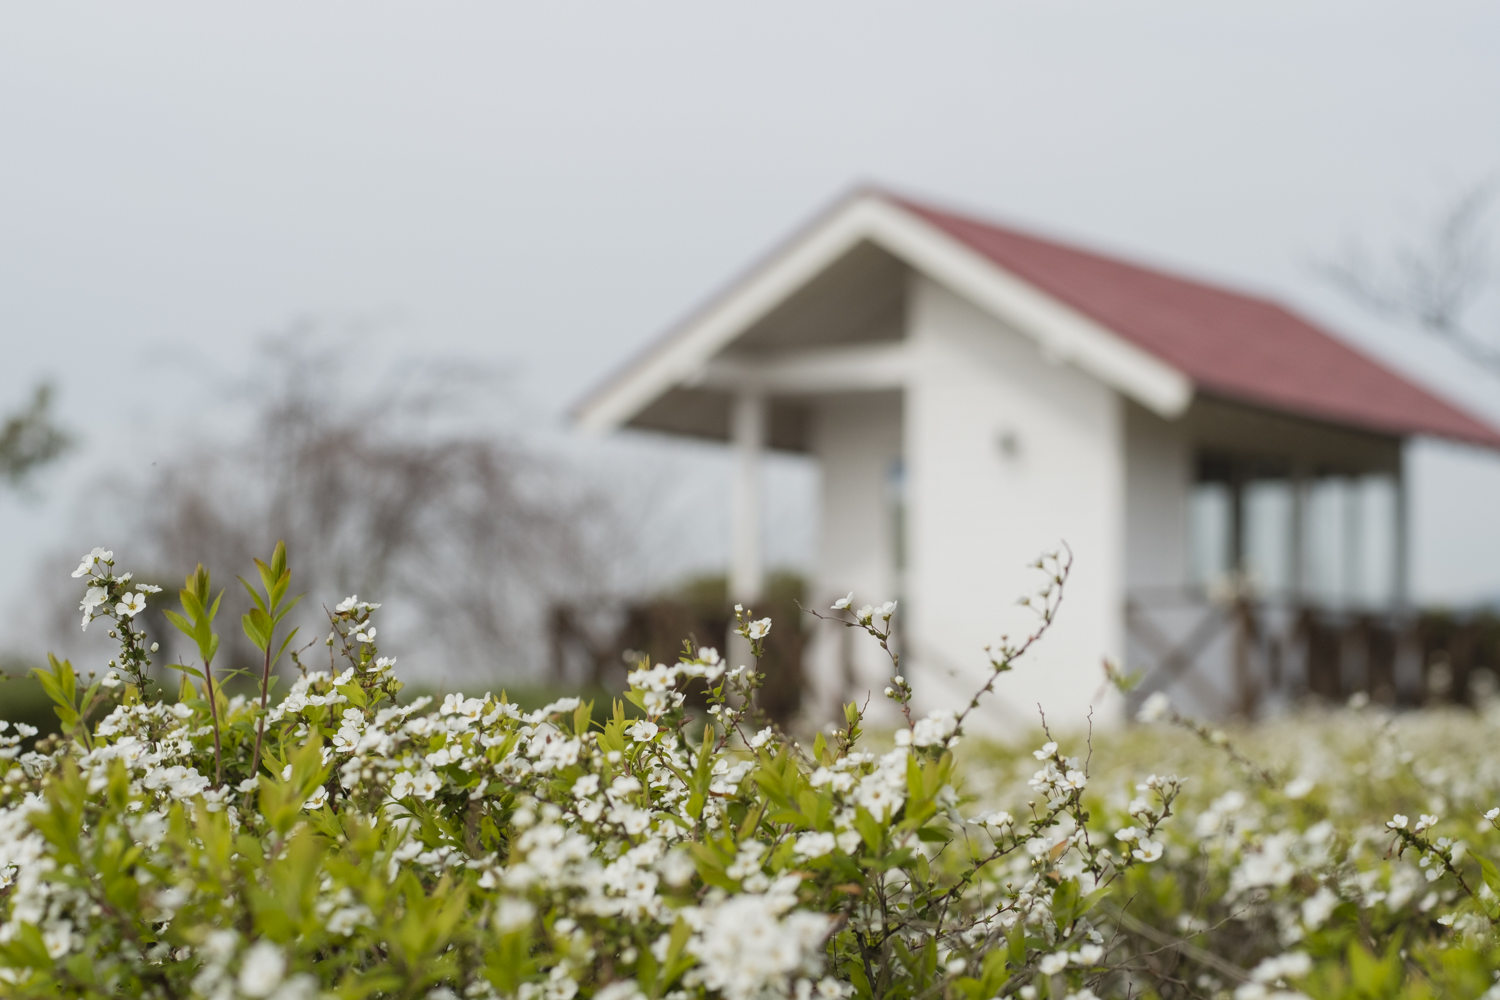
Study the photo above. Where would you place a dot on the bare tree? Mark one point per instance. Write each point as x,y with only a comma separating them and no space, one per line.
1433,282
465,537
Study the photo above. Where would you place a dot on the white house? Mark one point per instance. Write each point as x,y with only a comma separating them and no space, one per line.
974,396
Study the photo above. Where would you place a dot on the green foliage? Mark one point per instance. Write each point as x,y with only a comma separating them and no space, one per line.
29,439
348,843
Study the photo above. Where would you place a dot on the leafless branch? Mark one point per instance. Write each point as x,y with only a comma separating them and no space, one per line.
465,534
1434,281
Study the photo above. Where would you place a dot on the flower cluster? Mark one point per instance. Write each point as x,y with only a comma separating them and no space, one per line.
338,840
232,846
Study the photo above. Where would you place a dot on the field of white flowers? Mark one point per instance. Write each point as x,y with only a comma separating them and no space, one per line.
333,841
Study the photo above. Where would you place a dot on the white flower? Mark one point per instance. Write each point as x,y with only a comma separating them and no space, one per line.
366,635
843,602
752,941
514,914
623,989
758,629
131,605
761,738
1047,750
996,820
1051,965
110,680
261,970
1318,907
317,799
58,937
426,785
1299,788
1492,814
1128,834
1089,954
92,598
1147,850
1154,708
1396,822
96,556
644,731
814,845
1292,965
1424,822
934,730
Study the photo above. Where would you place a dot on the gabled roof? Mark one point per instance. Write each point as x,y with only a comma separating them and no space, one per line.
1230,344
1153,336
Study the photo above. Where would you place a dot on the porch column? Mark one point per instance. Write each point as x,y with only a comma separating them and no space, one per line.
747,432
1401,564
1410,677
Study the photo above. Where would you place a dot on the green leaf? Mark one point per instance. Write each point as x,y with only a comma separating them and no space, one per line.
254,595
1491,875
257,625
61,686
284,644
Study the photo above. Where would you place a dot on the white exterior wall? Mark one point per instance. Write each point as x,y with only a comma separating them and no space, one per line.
978,517
1158,482
857,439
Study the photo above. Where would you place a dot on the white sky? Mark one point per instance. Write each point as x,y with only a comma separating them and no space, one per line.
546,187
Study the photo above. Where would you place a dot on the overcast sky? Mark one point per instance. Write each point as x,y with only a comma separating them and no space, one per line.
545,187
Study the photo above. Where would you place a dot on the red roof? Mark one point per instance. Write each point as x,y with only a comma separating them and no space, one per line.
1229,344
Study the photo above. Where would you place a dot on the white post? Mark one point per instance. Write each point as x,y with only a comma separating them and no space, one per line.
747,431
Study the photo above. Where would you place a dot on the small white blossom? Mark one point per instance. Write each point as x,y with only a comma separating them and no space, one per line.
92,559
261,970
1147,850
1298,788
1155,708
814,845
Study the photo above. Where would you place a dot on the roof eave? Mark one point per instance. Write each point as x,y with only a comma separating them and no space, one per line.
680,356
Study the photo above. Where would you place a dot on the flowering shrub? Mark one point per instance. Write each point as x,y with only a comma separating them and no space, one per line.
335,841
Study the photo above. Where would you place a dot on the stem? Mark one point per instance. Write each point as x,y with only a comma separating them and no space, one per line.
260,724
213,707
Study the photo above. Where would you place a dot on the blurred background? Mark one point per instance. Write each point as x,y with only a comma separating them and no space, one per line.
337,273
